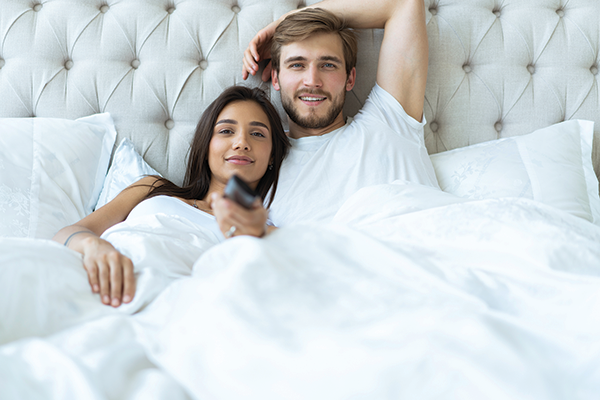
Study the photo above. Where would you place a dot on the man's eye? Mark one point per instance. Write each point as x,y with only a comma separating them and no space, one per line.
329,65
297,65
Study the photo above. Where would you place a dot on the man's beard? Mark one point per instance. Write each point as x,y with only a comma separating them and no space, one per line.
312,121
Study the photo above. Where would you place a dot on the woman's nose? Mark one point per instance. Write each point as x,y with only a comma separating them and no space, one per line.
241,142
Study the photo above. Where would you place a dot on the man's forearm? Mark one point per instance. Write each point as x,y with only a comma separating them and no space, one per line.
403,56
360,14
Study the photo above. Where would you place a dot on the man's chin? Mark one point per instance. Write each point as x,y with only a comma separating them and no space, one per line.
312,122
311,119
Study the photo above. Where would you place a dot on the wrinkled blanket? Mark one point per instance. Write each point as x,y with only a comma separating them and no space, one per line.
409,293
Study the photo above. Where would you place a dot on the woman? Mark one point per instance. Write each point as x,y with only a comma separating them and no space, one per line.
239,133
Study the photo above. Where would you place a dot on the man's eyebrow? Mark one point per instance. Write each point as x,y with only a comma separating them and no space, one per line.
294,59
322,58
330,58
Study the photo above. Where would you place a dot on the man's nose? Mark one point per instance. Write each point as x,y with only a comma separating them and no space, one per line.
312,77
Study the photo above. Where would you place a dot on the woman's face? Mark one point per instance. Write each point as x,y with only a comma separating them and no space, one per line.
241,143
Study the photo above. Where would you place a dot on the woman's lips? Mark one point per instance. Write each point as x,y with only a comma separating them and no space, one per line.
240,160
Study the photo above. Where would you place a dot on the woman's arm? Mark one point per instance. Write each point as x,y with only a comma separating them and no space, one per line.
109,272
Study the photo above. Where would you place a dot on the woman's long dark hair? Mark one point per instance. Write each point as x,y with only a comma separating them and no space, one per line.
197,176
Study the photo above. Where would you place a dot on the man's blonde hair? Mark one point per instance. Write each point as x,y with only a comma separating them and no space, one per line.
310,21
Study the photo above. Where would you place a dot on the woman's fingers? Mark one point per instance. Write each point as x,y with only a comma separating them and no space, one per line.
247,222
92,271
112,276
128,280
116,280
104,272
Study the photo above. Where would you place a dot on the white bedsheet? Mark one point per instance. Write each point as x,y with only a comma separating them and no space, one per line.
410,293
44,288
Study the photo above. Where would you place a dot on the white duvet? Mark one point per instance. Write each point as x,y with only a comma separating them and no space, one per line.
409,293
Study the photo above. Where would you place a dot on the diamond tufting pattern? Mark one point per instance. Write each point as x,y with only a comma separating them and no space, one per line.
497,68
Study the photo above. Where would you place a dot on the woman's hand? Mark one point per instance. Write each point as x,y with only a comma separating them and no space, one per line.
110,273
228,213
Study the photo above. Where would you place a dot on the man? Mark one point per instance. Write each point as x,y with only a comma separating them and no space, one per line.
313,66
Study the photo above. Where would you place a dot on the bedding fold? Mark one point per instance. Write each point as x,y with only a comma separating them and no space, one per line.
409,293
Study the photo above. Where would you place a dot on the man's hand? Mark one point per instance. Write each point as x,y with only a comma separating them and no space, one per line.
403,55
110,273
259,49
247,222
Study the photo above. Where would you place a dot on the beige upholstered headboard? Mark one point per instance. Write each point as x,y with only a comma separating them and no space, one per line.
498,68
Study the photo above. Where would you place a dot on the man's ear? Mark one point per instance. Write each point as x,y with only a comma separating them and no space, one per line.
351,80
275,80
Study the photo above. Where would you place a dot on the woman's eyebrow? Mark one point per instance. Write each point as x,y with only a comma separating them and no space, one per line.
227,121
257,123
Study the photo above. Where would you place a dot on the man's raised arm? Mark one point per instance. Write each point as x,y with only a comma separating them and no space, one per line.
403,58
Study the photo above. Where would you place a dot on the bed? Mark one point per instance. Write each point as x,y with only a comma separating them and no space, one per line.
489,288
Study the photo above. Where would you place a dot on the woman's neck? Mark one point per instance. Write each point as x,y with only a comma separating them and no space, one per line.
214,187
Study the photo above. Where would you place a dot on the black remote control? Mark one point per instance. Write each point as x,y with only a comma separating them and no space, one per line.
239,191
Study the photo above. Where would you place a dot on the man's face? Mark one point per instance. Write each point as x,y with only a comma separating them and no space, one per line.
313,82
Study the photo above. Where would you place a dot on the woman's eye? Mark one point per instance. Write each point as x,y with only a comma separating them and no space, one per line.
225,131
259,134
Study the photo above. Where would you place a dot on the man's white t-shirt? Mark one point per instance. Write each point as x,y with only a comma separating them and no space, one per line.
379,145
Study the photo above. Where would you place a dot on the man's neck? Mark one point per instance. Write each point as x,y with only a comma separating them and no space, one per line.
297,131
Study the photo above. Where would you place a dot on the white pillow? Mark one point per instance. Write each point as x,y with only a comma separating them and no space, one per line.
552,165
127,167
51,172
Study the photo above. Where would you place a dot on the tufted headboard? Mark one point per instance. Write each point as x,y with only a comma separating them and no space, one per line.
498,68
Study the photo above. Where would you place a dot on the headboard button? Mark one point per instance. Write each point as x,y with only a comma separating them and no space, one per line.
593,70
104,9
560,12
498,126
169,124
203,64
434,126
433,10
68,64
236,9
171,10
2,62
37,7
467,68
531,69
135,63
